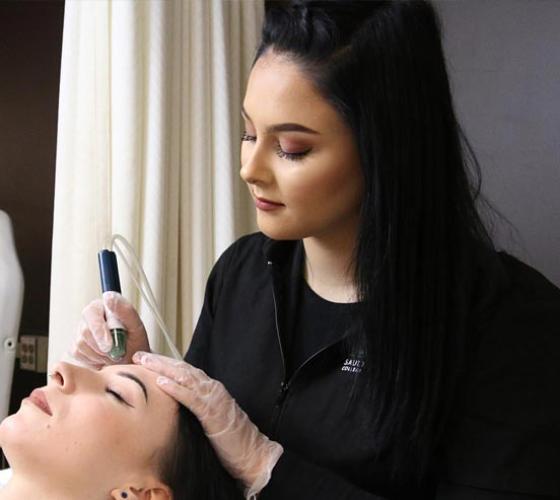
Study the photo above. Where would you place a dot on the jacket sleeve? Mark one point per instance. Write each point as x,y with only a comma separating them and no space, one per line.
298,479
448,491
317,482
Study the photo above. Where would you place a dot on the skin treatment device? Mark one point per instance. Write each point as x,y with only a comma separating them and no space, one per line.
109,273
110,281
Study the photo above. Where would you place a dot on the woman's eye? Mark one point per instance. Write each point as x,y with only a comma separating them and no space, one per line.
117,396
290,156
279,151
247,137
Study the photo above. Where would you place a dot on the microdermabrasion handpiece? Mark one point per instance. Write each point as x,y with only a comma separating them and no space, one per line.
109,272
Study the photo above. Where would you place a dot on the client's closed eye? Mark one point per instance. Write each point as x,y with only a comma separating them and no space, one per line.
117,396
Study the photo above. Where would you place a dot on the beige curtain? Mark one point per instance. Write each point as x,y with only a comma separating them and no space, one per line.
148,147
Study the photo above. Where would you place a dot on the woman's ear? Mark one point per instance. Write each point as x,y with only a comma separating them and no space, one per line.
125,493
155,491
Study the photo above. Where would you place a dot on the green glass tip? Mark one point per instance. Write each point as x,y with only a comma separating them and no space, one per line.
119,344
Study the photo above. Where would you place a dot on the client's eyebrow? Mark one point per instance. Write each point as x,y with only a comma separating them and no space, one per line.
282,127
137,380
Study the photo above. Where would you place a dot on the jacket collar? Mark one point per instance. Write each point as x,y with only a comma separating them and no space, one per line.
280,251
286,259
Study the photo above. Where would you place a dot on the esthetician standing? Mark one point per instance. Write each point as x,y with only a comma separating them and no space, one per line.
378,343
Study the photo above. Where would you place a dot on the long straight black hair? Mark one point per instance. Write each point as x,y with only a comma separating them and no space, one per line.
190,466
381,65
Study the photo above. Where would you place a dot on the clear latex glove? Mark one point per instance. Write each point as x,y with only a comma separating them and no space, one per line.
93,340
245,452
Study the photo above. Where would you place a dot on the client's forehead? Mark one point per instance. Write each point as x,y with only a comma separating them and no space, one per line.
139,371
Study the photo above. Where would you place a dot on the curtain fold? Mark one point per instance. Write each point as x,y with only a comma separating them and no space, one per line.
148,147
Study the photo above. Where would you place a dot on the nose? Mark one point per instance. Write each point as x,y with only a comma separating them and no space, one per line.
65,376
254,165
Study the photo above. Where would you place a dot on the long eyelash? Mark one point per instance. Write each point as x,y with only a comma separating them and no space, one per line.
247,137
290,156
279,151
117,396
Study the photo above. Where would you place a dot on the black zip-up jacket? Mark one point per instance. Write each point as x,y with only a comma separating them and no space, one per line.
503,441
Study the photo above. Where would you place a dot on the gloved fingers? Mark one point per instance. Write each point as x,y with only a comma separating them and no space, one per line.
205,397
85,348
123,310
179,371
231,419
210,412
85,355
117,307
94,321
180,393
86,338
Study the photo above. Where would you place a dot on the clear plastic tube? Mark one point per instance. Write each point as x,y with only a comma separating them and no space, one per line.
141,281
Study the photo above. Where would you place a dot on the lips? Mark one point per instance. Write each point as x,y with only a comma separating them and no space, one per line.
267,205
38,398
268,202
264,204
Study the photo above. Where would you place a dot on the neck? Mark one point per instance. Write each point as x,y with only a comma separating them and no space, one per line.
19,487
329,265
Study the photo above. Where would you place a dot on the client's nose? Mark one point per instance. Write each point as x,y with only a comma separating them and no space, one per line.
63,375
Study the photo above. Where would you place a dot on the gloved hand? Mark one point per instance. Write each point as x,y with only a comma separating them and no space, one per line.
245,452
93,340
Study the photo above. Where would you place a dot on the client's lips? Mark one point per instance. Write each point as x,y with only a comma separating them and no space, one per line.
265,204
38,398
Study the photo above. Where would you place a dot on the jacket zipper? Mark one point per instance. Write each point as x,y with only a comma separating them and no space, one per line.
277,327
285,385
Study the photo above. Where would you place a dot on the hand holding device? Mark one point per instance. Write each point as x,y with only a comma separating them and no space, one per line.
101,335
94,341
245,452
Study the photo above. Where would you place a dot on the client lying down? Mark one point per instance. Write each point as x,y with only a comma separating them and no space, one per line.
109,434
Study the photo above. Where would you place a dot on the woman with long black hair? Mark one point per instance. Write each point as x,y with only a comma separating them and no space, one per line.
378,343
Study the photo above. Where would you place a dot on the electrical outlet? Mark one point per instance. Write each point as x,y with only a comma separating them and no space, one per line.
33,353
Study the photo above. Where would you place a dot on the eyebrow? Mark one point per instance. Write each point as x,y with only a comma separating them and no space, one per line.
137,380
282,127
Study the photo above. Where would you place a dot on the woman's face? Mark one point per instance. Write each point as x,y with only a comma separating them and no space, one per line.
100,429
314,176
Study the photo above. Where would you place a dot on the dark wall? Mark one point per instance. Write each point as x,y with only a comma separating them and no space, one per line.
504,58
30,50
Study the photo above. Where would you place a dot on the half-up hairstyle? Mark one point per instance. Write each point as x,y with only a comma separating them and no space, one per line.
381,65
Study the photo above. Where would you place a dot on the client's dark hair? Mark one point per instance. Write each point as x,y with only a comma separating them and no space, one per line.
191,467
